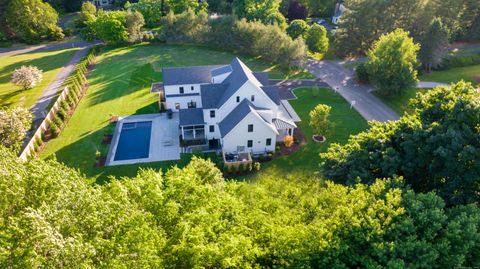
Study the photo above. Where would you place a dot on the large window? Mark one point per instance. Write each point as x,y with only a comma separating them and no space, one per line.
211,128
269,142
182,90
250,143
192,104
212,113
250,128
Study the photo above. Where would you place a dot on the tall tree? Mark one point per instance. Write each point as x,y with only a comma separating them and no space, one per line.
33,20
316,39
436,148
392,63
433,45
14,124
266,11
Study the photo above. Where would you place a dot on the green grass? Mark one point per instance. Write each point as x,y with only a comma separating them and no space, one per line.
120,85
50,62
467,73
306,161
400,103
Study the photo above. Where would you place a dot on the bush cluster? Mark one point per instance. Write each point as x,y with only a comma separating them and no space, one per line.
228,33
459,61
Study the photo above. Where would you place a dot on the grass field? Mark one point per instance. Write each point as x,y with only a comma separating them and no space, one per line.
467,73
400,103
50,62
306,161
120,85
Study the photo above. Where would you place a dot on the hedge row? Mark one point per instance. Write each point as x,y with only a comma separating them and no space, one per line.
75,83
459,61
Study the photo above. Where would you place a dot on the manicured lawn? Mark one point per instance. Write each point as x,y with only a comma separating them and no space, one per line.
50,62
120,85
400,103
467,73
306,160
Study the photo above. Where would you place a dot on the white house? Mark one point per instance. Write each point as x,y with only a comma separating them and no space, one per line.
102,3
339,9
228,107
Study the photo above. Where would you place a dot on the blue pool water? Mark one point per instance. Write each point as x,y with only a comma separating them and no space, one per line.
134,142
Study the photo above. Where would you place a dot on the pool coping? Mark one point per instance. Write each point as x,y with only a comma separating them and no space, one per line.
110,161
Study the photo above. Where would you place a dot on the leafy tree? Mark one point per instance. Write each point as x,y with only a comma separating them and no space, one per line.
296,11
193,218
110,26
433,46
27,76
435,149
14,124
392,62
320,8
316,39
187,26
220,6
319,121
32,21
135,23
297,28
151,10
361,73
266,11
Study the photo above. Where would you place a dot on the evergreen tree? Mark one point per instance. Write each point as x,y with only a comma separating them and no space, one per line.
433,46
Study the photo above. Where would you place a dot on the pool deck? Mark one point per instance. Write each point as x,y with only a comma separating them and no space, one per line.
164,139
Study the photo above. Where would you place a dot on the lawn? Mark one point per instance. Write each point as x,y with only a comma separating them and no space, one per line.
120,85
50,62
400,103
467,73
347,122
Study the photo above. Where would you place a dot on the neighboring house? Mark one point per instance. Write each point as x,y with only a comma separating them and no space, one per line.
228,107
339,9
102,3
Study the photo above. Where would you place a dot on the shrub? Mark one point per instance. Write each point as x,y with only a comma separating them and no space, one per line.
361,73
297,28
459,61
256,166
57,120
288,141
319,121
70,100
62,114
54,130
316,39
64,105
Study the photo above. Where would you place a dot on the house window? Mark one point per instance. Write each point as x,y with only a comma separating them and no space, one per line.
192,104
211,128
250,128
177,106
250,143
181,90
192,88
252,98
238,99
269,142
212,113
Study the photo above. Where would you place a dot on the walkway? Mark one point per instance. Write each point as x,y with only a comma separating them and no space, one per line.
39,109
342,80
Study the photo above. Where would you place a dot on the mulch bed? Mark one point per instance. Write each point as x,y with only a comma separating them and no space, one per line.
319,138
300,141
100,161
107,139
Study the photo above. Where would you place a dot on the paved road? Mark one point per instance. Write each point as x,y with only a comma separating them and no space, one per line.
343,81
42,48
39,109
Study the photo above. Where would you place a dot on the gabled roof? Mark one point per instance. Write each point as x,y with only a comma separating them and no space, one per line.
187,75
238,114
221,70
262,77
272,92
191,116
211,94
240,74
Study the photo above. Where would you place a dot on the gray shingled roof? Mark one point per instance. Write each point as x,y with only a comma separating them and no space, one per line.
262,77
240,74
236,116
191,116
221,70
211,94
272,92
187,75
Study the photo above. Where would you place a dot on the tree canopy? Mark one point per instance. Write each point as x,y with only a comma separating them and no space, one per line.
436,148
433,45
392,63
192,217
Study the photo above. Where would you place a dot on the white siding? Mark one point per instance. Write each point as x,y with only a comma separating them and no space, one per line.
175,89
245,92
211,121
183,101
239,136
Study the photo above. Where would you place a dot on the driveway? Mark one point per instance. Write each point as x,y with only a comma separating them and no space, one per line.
342,81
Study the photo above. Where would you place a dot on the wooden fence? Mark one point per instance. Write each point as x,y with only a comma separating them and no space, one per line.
30,149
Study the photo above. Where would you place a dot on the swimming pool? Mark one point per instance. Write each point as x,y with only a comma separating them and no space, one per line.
134,141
